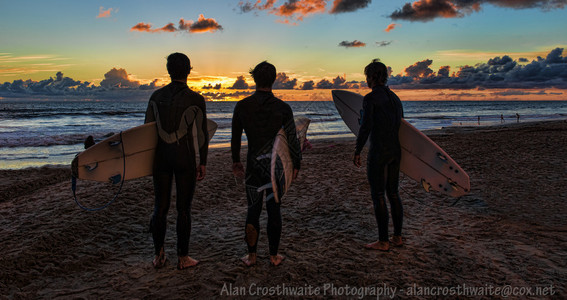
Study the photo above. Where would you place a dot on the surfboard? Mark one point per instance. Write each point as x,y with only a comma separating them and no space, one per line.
128,154
422,159
281,163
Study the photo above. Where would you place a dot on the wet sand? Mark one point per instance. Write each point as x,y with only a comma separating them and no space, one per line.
511,230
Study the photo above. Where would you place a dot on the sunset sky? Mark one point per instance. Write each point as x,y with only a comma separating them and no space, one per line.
469,48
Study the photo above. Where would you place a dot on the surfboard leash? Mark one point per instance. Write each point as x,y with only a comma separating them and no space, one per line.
74,184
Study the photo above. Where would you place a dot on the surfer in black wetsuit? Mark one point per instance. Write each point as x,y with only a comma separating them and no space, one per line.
261,116
176,109
381,119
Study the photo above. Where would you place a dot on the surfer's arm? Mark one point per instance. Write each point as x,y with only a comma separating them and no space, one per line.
149,114
204,149
292,140
365,127
235,141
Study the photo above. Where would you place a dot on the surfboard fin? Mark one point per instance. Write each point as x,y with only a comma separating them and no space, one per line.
91,168
114,143
115,179
426,185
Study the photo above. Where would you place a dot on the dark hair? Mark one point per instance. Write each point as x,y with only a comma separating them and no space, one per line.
377,71
178,66
264,74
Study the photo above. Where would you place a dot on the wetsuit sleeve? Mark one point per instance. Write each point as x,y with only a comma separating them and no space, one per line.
235,141
366,126
204,149
150,117
292,140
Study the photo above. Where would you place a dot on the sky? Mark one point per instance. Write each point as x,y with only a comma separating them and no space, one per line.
436,49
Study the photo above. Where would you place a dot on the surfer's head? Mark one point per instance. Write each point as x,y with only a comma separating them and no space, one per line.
264,75
376,73
178,66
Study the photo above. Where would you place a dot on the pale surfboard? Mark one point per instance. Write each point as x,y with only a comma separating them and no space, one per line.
281,164
422,159
131,151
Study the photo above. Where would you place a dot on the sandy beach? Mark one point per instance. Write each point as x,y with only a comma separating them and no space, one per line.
508,235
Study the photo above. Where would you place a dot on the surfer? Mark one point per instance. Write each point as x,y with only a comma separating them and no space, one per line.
261,116
176,108
381,119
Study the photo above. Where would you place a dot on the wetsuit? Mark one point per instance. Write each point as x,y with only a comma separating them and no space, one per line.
175,155
261,116
381,119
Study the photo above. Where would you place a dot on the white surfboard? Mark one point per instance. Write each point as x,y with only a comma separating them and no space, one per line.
107,160
422,159
281,164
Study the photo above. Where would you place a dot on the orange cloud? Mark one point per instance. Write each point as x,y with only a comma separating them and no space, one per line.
300,9
352,44
391,27
104,13
202,25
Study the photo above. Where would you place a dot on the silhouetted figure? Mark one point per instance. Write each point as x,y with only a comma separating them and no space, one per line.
89,141
517,118
176,109
261,116
381,120
501,118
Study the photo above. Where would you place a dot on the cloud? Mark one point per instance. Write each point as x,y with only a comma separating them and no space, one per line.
383,43
118,78
337,83
342,6
226,96
308,85
428,10
202,25
391,27
283,82
240,84
352,44
105,13
420,69
217,86
296,10
497,72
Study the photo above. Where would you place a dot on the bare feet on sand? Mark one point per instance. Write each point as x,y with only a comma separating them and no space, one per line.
184,262
276,260
378,245
159,260
249,260
397,241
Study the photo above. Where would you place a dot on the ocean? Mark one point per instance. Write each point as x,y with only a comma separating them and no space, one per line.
35,133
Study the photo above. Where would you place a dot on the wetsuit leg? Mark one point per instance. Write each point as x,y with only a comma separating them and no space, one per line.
252,229
392,182
185,180
162,188
375,171
274,224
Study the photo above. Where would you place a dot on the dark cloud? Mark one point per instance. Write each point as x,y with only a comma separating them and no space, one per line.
342,6
383,43
283,82
115,82
308,85
297,10
240,84
202,25
428,10
337,83
224,96
420,69
498,72
352,44
211,87
118,78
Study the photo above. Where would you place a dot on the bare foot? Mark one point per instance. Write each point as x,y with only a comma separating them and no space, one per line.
159,260
184,262
249,260
378,245
276,260
397,241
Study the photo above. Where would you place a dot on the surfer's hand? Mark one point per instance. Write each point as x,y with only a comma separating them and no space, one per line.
201,172
295,174
238,170
356,160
